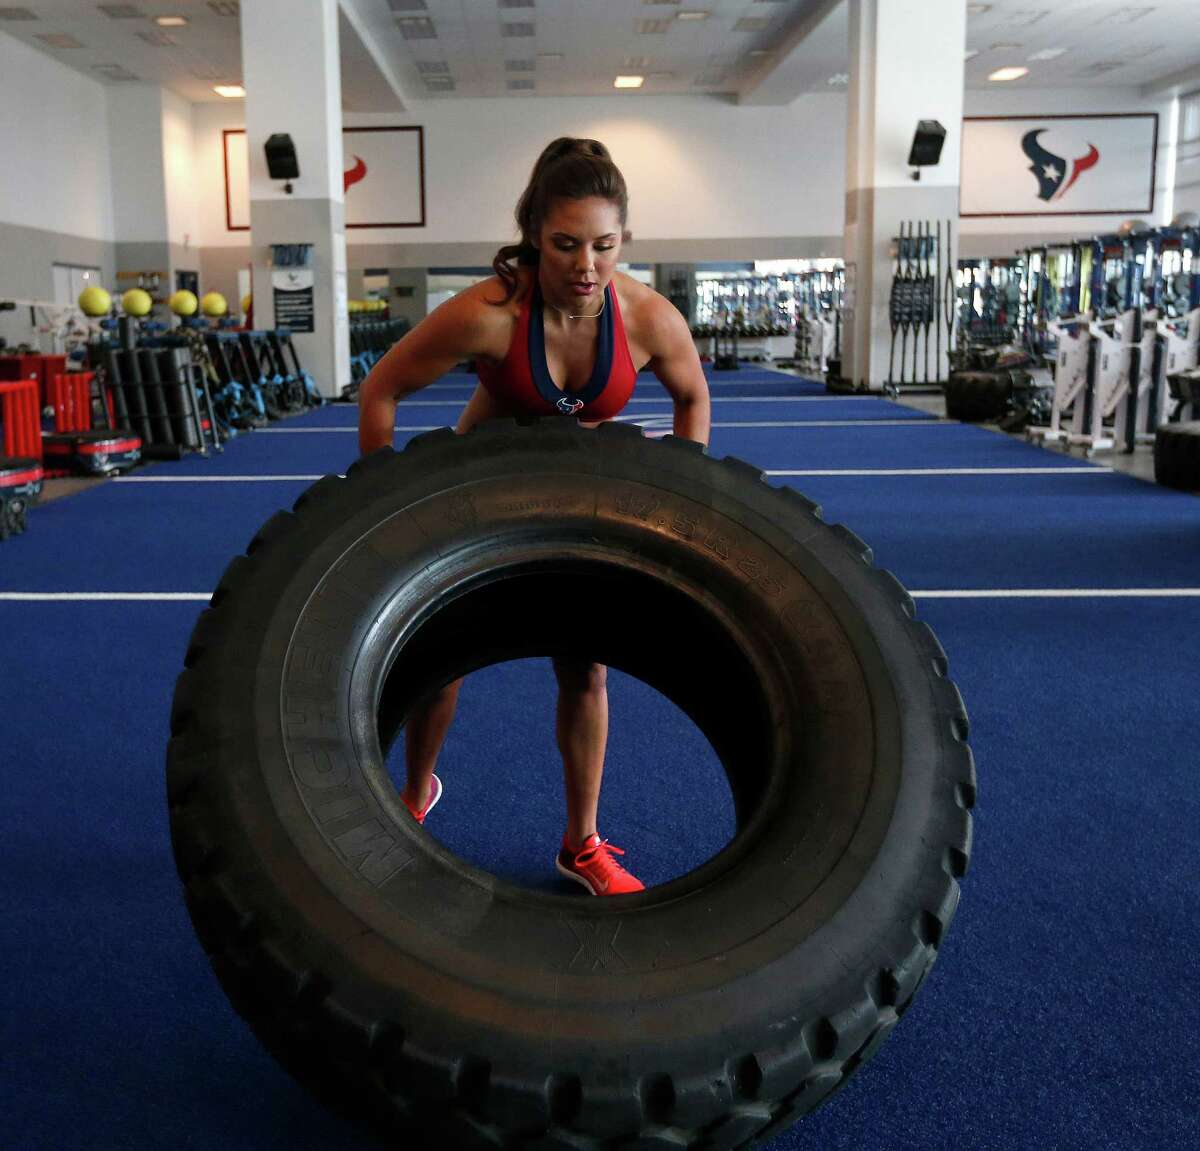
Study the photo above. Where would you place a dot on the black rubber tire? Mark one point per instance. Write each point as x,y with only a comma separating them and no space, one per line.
456,1010
975,397
1177,456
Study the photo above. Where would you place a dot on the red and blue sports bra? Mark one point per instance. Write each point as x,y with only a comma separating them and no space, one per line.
522,381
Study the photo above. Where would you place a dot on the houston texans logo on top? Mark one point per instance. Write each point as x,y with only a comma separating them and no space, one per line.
1051,171
353,175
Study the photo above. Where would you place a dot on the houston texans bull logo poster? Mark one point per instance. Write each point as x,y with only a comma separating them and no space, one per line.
1051,170
382,178
1058,165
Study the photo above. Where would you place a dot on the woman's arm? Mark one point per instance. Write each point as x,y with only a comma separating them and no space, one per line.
675,362
455,331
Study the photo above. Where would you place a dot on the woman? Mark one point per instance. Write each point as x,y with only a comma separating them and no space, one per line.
561,333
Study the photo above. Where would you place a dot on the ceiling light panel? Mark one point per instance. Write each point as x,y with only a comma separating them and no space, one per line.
1129,15
1048,54
1000,75
520,85
417,28
692,14
407,5
58,40
515,3
114,72
121,11
433,67
158,39
439,84
170,21
1023,17
652,27
225,7
16,14
520,65
752,23
517,30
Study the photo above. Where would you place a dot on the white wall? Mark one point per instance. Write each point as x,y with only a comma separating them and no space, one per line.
1004,100
55,171
179,170
695,169
138,182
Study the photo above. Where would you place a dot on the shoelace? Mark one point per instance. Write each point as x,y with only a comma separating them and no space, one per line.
603,848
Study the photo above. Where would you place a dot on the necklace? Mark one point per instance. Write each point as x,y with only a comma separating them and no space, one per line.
603,304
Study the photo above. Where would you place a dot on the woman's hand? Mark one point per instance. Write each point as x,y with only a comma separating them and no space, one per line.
457,330
675,362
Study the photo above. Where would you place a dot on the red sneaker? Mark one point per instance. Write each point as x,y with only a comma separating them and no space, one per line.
593,866
435,793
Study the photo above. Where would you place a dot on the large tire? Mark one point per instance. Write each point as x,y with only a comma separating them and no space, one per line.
974,397
458,1010
1177,456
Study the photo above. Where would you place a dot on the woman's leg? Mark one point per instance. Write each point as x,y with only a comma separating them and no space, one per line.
582,738
424,735
430,721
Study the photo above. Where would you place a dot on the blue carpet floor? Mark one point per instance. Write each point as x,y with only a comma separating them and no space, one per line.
1060,1013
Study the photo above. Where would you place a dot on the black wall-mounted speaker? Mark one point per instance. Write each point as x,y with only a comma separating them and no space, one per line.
281,157
927,144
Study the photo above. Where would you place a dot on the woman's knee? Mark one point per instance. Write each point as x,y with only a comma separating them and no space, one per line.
581,677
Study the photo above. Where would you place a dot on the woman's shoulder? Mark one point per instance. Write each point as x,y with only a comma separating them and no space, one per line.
483,315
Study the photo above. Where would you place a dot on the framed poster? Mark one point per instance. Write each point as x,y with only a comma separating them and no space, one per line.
384,178
1058,165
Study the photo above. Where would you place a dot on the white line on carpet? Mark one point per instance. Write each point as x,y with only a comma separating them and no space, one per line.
1064,471
106,596
663,416
1064,593
211,479
971,593
715,400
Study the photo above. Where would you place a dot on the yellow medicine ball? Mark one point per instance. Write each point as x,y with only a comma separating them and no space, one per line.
137,302
183,303
94,301
213,304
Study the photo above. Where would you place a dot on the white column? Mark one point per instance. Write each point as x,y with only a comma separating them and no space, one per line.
906,65
291,71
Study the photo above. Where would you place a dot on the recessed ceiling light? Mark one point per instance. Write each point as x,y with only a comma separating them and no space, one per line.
1048,54
1005,47
839,79
977,9
628,81
692,14
1002,74
230,91
970,52
170,21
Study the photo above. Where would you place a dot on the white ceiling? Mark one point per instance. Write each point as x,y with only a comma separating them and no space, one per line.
1108,44
757,51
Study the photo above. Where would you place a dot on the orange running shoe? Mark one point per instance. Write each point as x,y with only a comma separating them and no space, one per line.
435,793
593,866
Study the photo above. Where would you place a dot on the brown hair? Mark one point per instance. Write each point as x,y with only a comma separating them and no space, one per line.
569,168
